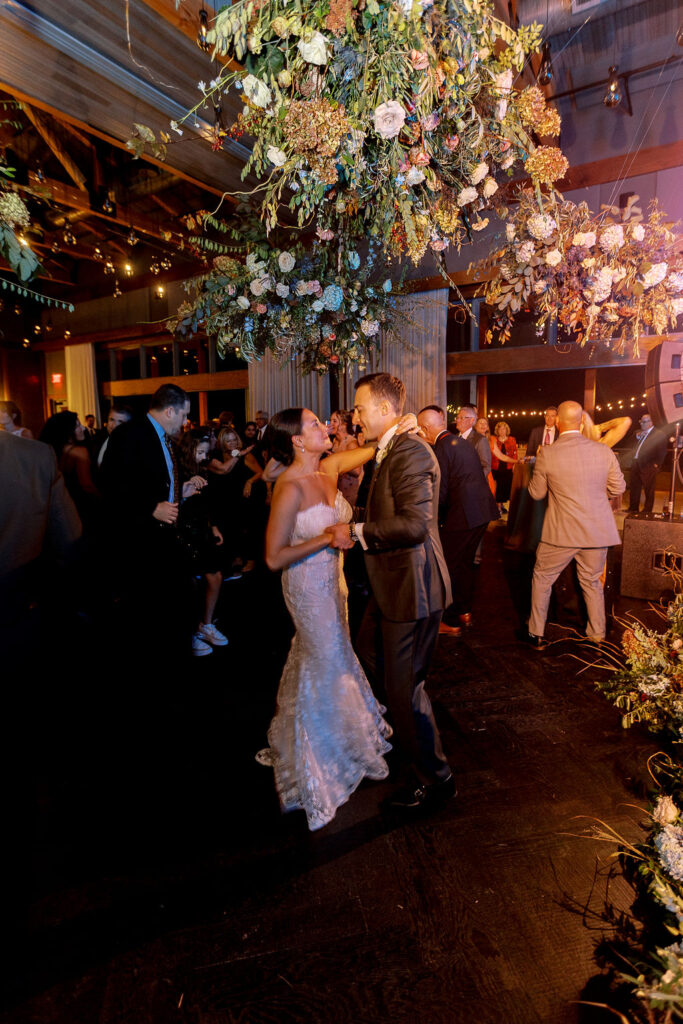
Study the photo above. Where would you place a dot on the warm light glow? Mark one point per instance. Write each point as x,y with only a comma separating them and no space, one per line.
57,378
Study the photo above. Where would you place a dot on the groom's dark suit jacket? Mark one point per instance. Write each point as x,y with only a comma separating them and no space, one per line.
404,558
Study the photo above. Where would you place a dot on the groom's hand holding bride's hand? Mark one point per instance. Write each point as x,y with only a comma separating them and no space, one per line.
340,536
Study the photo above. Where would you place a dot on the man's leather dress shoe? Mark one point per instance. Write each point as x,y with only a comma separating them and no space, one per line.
446,630
411,797
466,619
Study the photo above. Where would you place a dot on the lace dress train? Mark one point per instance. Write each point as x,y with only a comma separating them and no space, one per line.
328,732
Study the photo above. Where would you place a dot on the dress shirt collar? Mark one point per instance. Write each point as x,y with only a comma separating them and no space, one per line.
161,433
569,432
466,433
386,437
441,434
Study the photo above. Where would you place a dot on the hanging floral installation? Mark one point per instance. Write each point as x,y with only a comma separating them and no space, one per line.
292,301
604,277
393,120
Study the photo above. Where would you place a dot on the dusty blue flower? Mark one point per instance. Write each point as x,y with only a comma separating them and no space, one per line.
333,297
387,286
669,842
353,260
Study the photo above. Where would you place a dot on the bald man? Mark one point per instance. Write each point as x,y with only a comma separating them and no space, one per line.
579,477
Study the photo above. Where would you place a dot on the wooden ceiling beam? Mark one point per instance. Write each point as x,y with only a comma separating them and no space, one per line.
54,144
110,139
74,199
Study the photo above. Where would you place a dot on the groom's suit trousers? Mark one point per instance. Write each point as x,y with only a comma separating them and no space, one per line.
396,657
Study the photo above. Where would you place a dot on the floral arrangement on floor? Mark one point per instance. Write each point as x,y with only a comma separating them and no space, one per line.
396,120
646,682
604,277
293,302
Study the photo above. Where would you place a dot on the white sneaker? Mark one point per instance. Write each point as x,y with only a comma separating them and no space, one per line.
212,635
199,648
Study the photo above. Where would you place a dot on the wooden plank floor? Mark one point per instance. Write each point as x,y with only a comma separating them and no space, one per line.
165,886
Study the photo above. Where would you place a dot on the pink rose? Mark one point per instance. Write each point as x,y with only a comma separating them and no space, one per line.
389,119
260,308
419,157
324,234
419,59
404,166
452,142
334,359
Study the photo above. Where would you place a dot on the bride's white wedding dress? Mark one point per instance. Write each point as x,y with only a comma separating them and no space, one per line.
328,732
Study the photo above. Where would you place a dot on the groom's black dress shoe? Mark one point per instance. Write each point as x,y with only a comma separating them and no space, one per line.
539,643
409,798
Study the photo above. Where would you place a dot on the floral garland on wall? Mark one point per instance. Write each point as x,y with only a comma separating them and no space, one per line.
603,277
394,120
292,302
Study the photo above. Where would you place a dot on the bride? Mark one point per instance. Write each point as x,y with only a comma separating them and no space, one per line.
328,732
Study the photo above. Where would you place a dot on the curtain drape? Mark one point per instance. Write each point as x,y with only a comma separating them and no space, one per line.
419,359
274,386
81,381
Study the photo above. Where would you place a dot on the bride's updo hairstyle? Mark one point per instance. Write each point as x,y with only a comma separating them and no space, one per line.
285,425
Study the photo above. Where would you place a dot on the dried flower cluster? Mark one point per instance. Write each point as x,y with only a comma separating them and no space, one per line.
602,278
536,114
315,129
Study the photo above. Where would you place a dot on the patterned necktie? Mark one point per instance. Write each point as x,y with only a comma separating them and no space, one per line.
171,451
547,437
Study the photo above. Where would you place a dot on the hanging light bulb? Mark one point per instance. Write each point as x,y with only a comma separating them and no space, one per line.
203,32
545,70
109,267
67,335
21,239
107,205
159,291
69,237
128,269
49,325
17,310
166,263
55,247
612,97
154,266
117,291
37,328
26,343
132,238
98,254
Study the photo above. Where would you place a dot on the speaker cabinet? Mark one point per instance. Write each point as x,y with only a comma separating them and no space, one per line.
653,547
664,382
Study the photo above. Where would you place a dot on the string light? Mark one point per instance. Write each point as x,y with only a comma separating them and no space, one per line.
612,97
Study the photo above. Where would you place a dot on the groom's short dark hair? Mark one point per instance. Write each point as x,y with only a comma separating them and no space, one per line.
384,387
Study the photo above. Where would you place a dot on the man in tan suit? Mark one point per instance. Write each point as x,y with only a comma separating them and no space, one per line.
578,476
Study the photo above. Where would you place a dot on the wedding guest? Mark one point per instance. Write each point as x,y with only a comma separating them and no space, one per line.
65,433
202,540
232,474
118,414
10,420
250,433
261,419
482,427
503,459
547,433
466,418
343,440
648,456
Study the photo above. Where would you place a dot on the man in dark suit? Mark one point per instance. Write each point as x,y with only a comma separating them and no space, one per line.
466,507
547,433
648,457
118,414
464,421
142,490
410,584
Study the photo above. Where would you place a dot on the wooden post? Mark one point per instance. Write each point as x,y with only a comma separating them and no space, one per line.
143,361
203,407
175,349
482,395
589,391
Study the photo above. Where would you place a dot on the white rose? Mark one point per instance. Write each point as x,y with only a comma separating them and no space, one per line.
553,258
468,195
282,290
276,156
675,282
313,48
389,119
490,188
584,239
257,91
302,288
414,176
665,812
243,302
479,173
655,275
256,287
318,306
286,262
638,232
503,82
508,162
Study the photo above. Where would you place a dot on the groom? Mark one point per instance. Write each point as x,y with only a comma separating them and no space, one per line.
410,583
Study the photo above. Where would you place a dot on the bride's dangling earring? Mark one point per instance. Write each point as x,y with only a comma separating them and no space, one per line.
301,448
